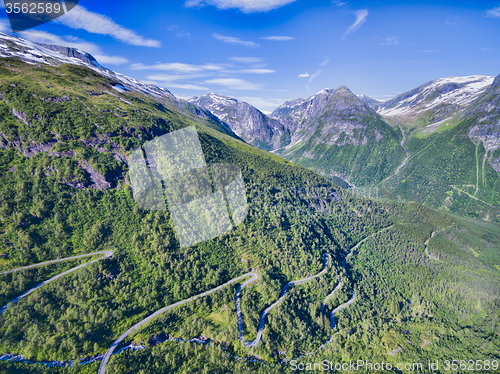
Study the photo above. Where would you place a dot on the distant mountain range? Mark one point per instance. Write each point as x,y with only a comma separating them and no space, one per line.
437,144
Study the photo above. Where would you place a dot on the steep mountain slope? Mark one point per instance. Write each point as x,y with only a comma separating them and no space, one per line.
336,133
486,129
457,168
435,104
33,53
246,121
371,102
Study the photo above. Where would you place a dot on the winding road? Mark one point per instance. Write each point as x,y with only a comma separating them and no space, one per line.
262,321
107,254
253,276
109,352
428,240
353,298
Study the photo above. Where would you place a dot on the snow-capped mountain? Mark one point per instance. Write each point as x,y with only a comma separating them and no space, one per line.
371,102
485,113
33,53
246,121
335,132
332,112
436,102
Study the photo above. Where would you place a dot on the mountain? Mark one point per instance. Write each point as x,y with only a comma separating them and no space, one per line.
454,167
246,121
485,111
336,133
68,132
371,102
33,53
436,104
83,56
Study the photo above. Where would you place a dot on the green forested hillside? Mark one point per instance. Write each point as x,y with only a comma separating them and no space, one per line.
447,170
52,204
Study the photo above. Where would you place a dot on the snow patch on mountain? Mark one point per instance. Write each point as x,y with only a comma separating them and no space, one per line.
32,53
456,91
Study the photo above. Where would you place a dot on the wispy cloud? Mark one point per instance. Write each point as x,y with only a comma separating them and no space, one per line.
246,60
236,41
4,26
313,77
429,50
174,77
391,40
235,84
178,67
451,22
38,36
178,31
246,6
258,71
338,2
493,13
306,75
81,18
326,61
279,38
266,105
361,16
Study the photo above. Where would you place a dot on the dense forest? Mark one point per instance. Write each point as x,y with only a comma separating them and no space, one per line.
65,190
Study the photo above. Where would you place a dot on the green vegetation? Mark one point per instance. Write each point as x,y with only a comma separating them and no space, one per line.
47,211
445,171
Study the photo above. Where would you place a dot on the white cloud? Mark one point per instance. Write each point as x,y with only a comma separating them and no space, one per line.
338,2
266,105
360,19
279,38
235,84
174,77
306,75
258,71
178,31
246,60
326,61
313,77
429,50
178,67
81,18
233,40
187,86
493,13
246,6
70,41
391,40
4,26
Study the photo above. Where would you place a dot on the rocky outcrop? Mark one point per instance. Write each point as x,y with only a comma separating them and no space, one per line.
486,114
99,181
246,121
333,117
72,52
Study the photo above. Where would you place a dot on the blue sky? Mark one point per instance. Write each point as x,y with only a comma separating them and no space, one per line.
268,51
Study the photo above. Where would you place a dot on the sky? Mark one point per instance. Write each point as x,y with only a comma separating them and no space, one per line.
266,52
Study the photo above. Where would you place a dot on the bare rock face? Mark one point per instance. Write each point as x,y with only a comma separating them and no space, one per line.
72,52
334,116
246,121
486,114
97,178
